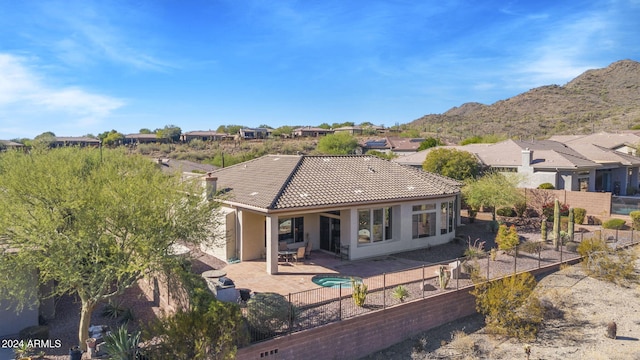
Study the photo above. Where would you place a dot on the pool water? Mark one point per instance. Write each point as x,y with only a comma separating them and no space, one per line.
334,281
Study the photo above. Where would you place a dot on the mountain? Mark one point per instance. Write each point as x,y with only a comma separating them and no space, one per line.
600,99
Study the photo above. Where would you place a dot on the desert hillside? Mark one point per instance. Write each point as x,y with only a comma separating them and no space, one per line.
601,99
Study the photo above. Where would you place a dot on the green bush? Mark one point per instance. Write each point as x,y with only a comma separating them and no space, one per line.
564,223
614,224
509,306
579,215
507,238
635,219
546,186
269,313
506,211
400,293
120,345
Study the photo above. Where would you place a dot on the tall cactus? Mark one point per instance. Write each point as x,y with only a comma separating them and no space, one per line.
543,230
570,225
556,225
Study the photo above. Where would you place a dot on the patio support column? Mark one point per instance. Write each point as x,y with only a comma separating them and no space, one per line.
272,244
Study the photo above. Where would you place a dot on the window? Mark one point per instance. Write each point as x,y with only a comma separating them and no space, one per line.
447,217
291,230
424,221
374,225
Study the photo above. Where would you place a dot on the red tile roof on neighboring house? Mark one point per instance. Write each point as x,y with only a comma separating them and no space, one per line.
280,182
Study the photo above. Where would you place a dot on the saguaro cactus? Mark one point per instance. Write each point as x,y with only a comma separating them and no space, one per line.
556,225
543,230
570,225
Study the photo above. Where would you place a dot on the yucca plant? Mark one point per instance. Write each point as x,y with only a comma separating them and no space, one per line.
120,345
113,310
400,292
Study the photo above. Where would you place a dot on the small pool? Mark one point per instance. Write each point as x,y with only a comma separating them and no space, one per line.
334,281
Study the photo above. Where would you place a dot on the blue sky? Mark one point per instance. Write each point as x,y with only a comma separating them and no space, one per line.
85,67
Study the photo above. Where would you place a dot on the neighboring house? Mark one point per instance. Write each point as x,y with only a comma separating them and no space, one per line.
361,206
392,145
204,136
143,139
404,146
254,133
82,141
308,131
8,144
574,163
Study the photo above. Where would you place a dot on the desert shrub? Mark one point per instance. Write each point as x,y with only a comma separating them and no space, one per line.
509,306
113,309
505,211
359,292
507,238
564,223
546,186
592,220
475,249
269,313
520,208
603,262
212,332
635,219
572,246
400,293
532,247
197,144
463,344
578,215
614,224
120,345
548,209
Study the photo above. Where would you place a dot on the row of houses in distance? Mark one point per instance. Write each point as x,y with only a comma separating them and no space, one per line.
209,135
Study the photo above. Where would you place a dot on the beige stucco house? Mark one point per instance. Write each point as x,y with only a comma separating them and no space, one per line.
360,206
601,162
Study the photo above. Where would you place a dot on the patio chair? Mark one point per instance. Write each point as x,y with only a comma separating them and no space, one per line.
299,254
307,250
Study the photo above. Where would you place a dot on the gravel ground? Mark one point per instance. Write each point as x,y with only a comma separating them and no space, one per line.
586,305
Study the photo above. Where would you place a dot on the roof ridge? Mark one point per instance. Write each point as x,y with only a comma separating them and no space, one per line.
286,183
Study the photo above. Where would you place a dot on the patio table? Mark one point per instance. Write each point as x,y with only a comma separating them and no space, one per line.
287,255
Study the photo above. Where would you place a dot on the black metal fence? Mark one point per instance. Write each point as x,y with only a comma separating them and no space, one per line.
316,307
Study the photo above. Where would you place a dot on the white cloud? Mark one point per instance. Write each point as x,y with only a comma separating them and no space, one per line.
26,97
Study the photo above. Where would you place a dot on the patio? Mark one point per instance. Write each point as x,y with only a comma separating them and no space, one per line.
295,277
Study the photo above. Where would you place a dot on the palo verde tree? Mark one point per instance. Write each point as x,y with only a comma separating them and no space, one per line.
337,144
92,222
493,190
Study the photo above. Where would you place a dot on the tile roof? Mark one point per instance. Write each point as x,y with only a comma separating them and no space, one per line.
277,182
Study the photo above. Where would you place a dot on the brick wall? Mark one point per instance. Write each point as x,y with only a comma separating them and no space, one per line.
596,203
362,335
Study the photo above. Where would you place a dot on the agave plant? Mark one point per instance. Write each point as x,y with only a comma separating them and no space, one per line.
120,345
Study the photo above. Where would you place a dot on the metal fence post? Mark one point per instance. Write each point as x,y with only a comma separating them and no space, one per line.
539,252
384,291
290,315
459,264
423,279
616,235
340,301
488,265
561,251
